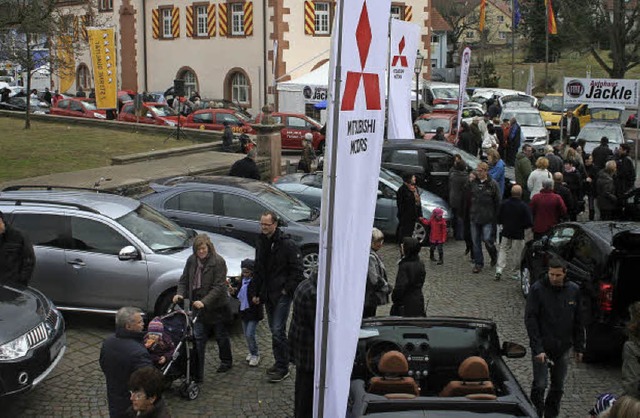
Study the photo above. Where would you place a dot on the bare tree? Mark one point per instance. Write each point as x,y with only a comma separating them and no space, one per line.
461,17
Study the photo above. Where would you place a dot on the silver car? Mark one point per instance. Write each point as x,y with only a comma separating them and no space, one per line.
533,129
98,251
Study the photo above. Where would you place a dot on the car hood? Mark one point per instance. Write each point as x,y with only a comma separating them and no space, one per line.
21,309
533,131
431,200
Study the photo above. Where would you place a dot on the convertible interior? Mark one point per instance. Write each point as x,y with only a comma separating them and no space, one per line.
447,366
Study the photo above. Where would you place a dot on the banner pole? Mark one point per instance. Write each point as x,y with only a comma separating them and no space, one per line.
513,45
635,161
546,47
388,89
330,221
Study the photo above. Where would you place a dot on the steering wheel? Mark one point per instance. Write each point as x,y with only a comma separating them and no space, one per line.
376,351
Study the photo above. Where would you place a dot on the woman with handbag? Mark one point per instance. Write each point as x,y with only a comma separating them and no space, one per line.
378,289
204,282
407,296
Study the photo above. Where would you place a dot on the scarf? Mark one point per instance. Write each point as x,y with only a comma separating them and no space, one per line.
242,294
416,195
197,277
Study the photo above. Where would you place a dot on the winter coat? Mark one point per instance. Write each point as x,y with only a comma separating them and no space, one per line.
573,180
547,209
600,155
278,266
160,410
564,192
522,169
438,230
307,158
466,142
626,174
537,176
457,182
245,167
122,354
17,259
631,368
553,318
606,192
303,324
254,312
378,289
496,172
408,209
485,201
213,291
476,139
592,172
161,348
514,216
407,295
555,163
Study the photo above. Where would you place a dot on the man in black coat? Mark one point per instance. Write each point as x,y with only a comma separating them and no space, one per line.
409,206
567,197
626,173
246,167
17,259
602,153
485,203
227,137
555,162
278,268
515,217
121,355
570,125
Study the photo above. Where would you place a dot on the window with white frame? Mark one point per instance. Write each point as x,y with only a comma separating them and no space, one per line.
190,83
322,18
397,12
201,21
166,23
237,19
105,5
239,88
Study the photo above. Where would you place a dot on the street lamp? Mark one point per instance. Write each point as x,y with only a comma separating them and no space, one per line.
417,69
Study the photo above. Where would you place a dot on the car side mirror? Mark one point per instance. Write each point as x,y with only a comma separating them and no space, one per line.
128,253
282,223
513,350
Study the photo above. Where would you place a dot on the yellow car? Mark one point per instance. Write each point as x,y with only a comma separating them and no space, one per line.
551,110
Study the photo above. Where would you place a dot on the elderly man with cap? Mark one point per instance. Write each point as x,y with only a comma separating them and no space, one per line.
308,154
17,259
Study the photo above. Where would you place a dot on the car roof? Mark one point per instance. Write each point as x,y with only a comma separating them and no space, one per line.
438,115
420,143
605,230
108,204
521,109
229,182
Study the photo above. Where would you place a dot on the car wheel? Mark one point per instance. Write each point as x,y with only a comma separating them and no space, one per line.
321,146
420,233
164,302
309,261
525,280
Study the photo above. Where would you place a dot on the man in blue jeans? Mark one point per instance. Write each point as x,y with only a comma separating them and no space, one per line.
278,271
554,322
485,203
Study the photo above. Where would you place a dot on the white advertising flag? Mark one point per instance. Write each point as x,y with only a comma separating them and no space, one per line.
530,82
600,91
404,46
355,135
464,75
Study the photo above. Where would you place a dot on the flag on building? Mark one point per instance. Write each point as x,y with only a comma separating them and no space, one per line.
516,14
551,19
483,7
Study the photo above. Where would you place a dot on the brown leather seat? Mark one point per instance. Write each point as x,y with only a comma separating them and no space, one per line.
474,379
394,368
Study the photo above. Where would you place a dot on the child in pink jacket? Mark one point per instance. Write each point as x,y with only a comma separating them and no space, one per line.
438,233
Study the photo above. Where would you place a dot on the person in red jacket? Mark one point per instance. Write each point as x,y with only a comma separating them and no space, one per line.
438,233
547,208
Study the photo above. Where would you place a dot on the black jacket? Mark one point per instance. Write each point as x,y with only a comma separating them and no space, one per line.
457,183
303,325
408,210
278,266
555,163
17,259
626,175
485,201
407,295
514,216
121,355
254,312
600,155
246,168
564,192
553,318
468,142
606,192
572,130
573,180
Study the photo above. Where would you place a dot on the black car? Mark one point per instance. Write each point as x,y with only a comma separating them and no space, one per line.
19,104
601,258
630,206
436,354
32,338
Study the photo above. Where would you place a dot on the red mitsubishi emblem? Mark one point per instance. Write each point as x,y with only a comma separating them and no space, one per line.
370,80
400,57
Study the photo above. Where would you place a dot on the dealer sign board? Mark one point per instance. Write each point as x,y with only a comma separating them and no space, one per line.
600,91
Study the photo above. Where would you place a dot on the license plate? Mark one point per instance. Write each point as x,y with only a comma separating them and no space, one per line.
56,347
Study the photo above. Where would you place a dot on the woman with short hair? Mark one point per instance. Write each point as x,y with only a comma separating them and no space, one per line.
537,176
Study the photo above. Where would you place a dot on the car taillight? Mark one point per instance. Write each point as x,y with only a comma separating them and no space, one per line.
605,297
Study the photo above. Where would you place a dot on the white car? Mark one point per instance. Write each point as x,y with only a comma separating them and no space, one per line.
534,131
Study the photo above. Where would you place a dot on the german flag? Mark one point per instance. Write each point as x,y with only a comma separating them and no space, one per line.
551,18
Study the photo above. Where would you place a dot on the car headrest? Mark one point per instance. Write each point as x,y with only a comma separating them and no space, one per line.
474,368
393,363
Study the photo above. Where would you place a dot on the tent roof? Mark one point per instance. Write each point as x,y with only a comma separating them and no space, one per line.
317,77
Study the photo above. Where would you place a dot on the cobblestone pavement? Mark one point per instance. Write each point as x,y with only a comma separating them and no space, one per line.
76,388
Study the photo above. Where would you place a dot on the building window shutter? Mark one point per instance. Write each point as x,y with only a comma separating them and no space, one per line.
248,18
175,22
408,13
309,18
211,20
86,21
76,29
189,13
155,23
222,18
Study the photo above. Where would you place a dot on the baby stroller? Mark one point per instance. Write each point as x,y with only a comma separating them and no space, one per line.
178,324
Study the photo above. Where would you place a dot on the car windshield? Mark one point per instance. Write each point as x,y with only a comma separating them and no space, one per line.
156,231
524,119
162,110
595,133
90,105
445,92
553,104
606,114
290,207
312,179
430,125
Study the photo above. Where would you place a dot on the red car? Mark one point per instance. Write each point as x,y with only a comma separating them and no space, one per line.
213,119
151,113
430,121
295,127
79,108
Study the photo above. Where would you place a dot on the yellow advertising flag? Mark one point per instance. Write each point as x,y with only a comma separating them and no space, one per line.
102,44
66,63
483,7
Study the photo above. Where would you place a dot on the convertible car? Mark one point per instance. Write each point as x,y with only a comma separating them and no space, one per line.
435,367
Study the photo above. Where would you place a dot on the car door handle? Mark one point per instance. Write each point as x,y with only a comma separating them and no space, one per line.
229,226
77,262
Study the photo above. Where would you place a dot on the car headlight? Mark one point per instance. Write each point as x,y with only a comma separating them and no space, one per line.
169,123
99,116
14,349
541,140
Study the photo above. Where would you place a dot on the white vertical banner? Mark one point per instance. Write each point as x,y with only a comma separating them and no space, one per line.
464,76
530,82
274,63
402,57
355,135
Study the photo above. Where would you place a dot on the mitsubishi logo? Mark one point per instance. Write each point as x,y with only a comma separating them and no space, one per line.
400,57
370,80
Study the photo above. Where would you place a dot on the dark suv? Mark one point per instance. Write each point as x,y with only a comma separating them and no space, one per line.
601,257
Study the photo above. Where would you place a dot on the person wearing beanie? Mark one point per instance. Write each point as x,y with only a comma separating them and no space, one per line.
437,234
308,154
158,343
251,312
17,258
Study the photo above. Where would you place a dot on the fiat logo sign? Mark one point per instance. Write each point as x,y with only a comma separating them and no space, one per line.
574,88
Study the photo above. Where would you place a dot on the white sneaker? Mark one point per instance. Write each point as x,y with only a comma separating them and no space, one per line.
254,361
249,357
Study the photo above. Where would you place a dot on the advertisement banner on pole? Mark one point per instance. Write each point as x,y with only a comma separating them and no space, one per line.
404,48
600,91
103,58
355,135
464,75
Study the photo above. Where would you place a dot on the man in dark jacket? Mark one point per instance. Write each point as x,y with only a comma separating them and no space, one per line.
409,206
246,167
606,192
513,142
227,137
121,355
563,191
17,259
523,165
626,172
278,268
554,322
515,217
485,203
602,153
570,126
547,209
555,162
458,179
302,342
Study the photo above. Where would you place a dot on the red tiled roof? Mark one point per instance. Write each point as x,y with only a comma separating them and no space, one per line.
438,23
